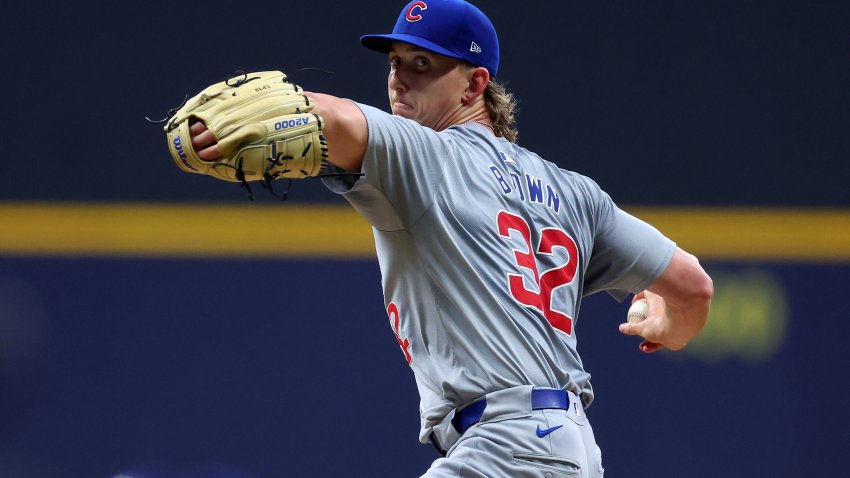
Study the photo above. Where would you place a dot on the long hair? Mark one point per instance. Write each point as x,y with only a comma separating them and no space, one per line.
502,107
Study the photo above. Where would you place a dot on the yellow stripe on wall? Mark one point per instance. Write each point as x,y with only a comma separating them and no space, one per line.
184,230
756,234
336,231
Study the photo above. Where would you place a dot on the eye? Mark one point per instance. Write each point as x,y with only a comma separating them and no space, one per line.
393,62
421,62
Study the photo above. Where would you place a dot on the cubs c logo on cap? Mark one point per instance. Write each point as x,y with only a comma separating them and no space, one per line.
453,28
417,7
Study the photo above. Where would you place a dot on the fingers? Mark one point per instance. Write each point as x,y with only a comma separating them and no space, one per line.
196,127
629,328
210,154
204,142
202,139
650,347
637,328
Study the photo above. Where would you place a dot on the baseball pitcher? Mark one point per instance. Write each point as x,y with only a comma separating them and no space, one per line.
486,249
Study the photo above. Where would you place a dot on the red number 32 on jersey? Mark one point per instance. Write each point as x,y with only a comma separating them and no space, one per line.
549,280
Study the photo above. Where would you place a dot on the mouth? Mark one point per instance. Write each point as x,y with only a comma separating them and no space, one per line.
401,108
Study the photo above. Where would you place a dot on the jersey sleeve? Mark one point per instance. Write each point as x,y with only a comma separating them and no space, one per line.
628,253
402,167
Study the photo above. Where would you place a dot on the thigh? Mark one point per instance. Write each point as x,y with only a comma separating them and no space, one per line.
549,444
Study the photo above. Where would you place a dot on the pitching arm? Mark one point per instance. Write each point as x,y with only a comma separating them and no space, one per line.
345,130
679,302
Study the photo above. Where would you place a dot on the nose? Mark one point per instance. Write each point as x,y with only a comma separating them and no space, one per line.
396,82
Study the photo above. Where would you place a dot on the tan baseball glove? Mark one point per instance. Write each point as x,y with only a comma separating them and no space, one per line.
263,127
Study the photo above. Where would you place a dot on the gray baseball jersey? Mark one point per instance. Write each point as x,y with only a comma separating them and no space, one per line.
485,252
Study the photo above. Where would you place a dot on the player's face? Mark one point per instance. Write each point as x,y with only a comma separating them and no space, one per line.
424,86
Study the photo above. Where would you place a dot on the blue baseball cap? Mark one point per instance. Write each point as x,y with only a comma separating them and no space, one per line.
452,28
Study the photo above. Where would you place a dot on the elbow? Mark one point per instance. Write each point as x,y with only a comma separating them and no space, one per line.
685,285
693,303
695,292
700,287
699,297
703,288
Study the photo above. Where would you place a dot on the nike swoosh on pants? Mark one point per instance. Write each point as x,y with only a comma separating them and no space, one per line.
542,433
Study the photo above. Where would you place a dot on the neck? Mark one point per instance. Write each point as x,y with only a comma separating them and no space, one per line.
474,113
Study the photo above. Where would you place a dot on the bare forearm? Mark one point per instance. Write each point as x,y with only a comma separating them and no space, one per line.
686,319
345,130
679,303
687,291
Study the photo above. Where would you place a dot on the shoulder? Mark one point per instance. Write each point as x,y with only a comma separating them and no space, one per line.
534,162
385,129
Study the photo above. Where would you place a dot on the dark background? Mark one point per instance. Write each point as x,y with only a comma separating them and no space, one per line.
707,102
139,367
187,368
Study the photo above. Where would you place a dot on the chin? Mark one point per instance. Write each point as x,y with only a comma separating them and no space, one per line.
404,113
404,110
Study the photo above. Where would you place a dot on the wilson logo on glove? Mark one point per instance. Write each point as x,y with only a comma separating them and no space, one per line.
178,145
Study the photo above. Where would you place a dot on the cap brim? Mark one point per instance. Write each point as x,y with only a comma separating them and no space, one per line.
383,43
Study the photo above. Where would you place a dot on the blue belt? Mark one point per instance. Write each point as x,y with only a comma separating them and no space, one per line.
545,398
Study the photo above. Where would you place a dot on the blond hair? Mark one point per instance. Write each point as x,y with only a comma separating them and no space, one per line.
502,107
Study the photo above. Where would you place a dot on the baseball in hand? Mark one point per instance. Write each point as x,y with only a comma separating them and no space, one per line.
637,312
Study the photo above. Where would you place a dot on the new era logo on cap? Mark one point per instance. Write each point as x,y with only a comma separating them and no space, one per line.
474,48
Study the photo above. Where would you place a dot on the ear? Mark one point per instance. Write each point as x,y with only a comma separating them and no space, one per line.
478,79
